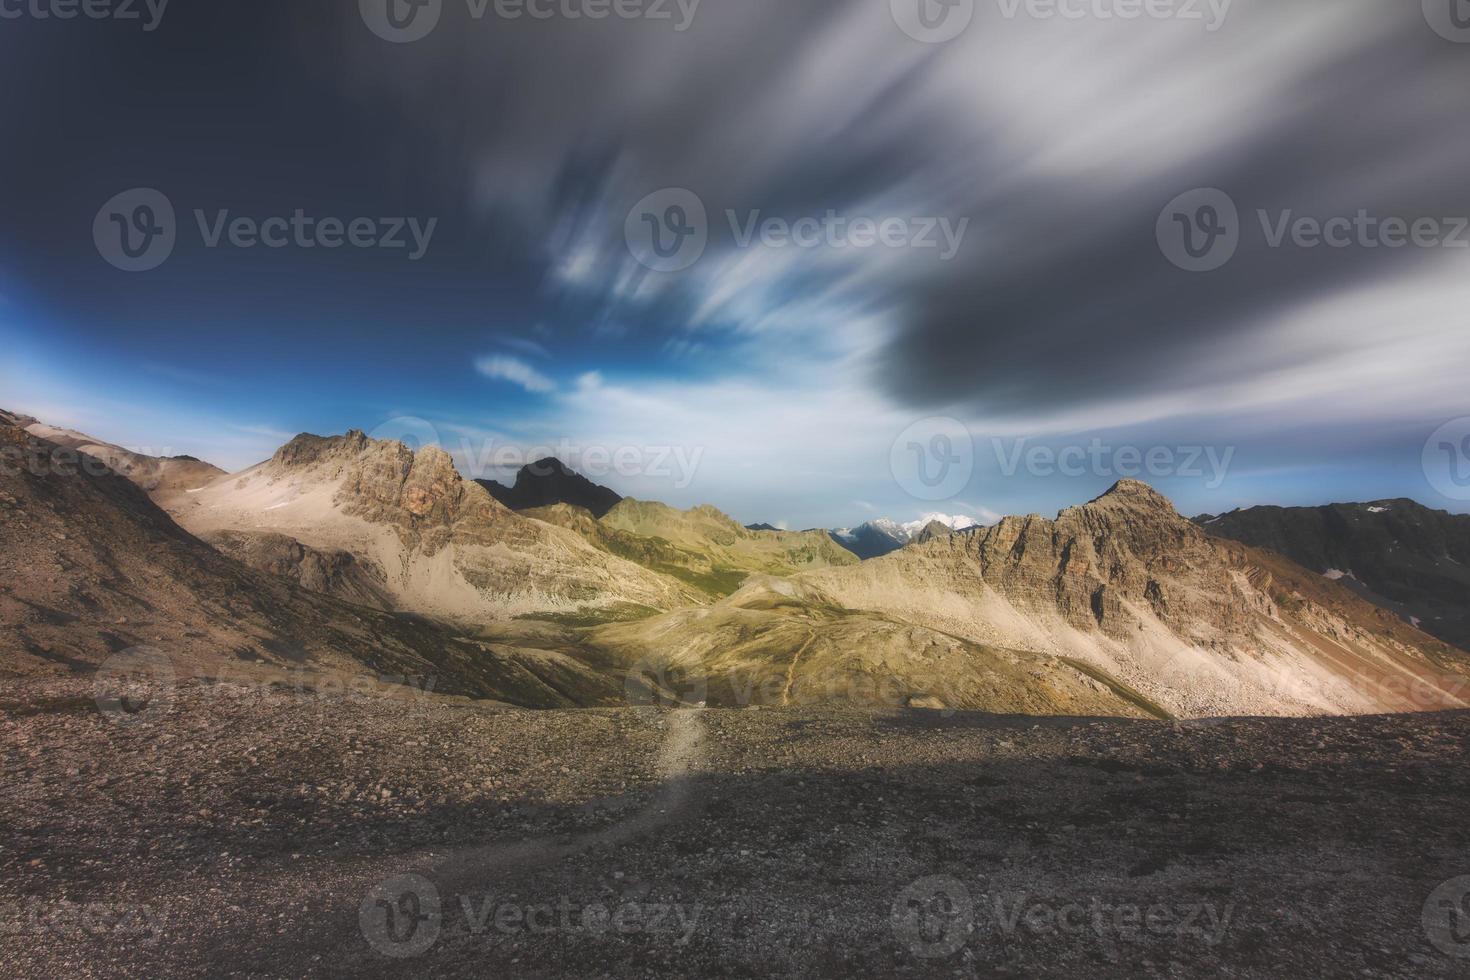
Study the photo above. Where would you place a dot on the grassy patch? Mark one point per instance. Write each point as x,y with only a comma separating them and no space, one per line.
622,612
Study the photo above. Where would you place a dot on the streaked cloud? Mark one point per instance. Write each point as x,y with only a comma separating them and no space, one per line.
516,371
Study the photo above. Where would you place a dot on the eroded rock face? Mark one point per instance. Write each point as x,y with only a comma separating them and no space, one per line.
1127,549
421,495
447,547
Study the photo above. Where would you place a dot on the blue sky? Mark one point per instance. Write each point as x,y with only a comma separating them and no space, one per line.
777,381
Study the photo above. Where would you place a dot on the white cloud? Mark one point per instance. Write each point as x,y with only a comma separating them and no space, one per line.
503,368
524,346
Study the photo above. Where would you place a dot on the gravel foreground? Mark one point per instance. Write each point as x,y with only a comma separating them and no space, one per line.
236,831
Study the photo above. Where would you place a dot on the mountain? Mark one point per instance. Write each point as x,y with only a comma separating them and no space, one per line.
1116,607
717,550
1396,553
1122,591
435,543
91,567
775,642
549,482
883,536
153,473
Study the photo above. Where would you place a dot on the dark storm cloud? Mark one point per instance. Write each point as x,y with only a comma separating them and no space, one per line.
1087,306
1061,141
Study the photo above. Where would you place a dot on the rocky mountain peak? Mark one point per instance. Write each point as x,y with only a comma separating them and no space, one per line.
548,482
1136,490
308,449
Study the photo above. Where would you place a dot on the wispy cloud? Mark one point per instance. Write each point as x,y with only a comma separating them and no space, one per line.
503,368
524,346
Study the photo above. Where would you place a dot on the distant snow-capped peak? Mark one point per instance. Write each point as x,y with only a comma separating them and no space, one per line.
907,531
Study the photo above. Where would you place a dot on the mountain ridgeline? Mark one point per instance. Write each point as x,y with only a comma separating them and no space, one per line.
1396,553
549,482
354,554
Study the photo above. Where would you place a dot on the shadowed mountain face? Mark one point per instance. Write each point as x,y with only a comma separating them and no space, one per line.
550,482
1396,553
